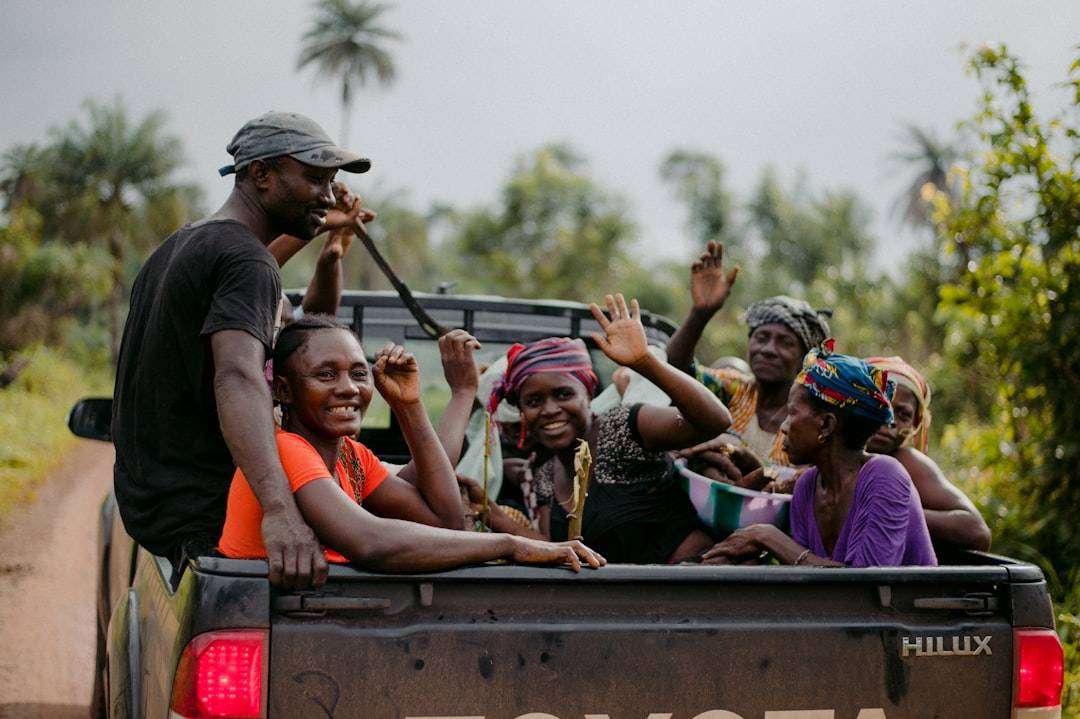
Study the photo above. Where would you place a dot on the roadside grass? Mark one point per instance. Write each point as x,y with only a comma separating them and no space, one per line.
34,437
1068,627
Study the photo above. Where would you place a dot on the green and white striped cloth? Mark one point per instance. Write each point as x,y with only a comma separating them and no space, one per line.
725,507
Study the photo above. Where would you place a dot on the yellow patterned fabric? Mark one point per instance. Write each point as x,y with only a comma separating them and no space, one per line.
906,376
739,392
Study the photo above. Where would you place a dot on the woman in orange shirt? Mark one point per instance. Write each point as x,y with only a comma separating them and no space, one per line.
360,512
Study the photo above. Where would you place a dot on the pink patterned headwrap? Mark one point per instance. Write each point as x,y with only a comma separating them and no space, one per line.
554,354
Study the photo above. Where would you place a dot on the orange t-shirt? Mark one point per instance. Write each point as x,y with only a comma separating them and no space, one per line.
242,535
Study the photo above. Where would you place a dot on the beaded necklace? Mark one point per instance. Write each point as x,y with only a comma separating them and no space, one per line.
354,472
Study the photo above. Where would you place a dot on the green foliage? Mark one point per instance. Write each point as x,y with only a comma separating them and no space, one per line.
1012,310
698,180
1068,619
22,179
33,432
105,182
44,285
104,171
795,243
934,159
805,237
555,234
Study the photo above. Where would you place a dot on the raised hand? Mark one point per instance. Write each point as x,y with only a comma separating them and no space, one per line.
458,349
336,245
725,459
710,286
340,220
397,375
623,338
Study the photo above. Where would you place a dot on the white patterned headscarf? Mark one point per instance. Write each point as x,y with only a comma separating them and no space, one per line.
808,324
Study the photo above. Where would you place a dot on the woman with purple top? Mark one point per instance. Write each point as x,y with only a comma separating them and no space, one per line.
851,508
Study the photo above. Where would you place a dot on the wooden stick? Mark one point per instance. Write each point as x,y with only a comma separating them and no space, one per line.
427,323
485,512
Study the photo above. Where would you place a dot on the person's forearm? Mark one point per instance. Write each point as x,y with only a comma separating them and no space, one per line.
453,423
500,521
399,545
324,292
451,428
283,247
245,413
698,406
682,345
786,550
958,527
434,475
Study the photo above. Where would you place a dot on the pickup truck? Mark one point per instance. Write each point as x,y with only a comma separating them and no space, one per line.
974,637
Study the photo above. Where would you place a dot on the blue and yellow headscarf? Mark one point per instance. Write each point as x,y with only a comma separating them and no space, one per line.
848,383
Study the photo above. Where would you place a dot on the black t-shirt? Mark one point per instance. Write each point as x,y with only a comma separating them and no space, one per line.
173,468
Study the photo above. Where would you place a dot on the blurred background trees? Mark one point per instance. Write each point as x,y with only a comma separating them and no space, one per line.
82,213
553,232
1011,234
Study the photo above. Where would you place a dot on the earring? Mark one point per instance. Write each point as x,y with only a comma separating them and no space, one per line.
821,439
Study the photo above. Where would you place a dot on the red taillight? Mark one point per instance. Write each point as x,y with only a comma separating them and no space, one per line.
221,675
1040,668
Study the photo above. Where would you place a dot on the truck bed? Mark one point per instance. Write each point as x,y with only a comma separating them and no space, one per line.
639,641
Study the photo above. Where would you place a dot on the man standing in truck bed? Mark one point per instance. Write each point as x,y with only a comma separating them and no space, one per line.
191,402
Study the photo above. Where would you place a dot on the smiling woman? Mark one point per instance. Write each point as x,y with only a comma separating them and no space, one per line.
850,508
781,330
636,510
359,510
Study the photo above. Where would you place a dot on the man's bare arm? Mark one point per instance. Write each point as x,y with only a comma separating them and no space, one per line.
950,514
245,412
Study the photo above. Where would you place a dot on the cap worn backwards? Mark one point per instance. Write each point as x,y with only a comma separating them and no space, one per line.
279,134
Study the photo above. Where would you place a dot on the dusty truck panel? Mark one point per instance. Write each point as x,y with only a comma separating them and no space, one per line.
640,641
971,638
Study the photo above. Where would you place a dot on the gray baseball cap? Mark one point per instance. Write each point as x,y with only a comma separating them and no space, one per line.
277,134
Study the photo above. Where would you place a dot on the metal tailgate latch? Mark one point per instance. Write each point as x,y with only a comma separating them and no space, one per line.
975,604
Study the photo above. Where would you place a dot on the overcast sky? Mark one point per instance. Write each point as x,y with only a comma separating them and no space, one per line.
818,88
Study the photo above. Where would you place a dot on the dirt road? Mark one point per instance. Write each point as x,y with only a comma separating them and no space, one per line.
47,583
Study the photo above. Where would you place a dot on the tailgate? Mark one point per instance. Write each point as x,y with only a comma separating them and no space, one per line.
634,642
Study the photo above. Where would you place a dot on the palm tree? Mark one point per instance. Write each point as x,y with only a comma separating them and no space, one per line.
344,44
933,159
22,176
109,179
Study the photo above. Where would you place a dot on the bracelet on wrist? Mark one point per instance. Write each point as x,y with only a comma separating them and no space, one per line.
802,555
